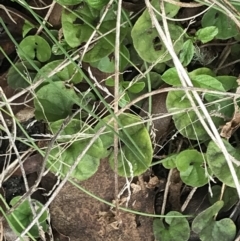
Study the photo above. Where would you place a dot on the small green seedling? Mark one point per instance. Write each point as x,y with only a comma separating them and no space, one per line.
22,216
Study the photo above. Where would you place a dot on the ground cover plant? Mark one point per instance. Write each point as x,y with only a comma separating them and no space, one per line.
119,120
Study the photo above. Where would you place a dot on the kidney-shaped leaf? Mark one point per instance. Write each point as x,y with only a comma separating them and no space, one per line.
134,160
16,77
191,168
186,122
54,101
76,31
230,196
78,134
69,74
34,47
62,159
146,40
106,44
171,10
170,161
23,215
209,229
218,164
106,64
135,152
171,227
149,45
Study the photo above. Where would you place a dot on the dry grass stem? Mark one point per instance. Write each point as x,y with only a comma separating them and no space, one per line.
46,17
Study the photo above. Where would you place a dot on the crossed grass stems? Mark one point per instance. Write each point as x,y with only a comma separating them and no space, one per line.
191,92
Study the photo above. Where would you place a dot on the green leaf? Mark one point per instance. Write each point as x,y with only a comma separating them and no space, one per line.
208,82
110,82
171,77
135,153
56,50
209,229
171,10
207,34
63,157
69,2
134,88
235,50
154,78
159,68
123,120
170,161
191,167
97,4
187,52
22,216
228,82
26,28
187,122
34,47
107,65
105,46
24,76
170,227
134,56
218,164
128,163
75,30
201,71
226,27
148,44
125,99
69,74
124,60
237,37
146,40
230,197
54,101
72,133
224,107
137,87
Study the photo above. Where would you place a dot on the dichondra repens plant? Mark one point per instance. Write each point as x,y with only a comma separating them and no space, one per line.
50,63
